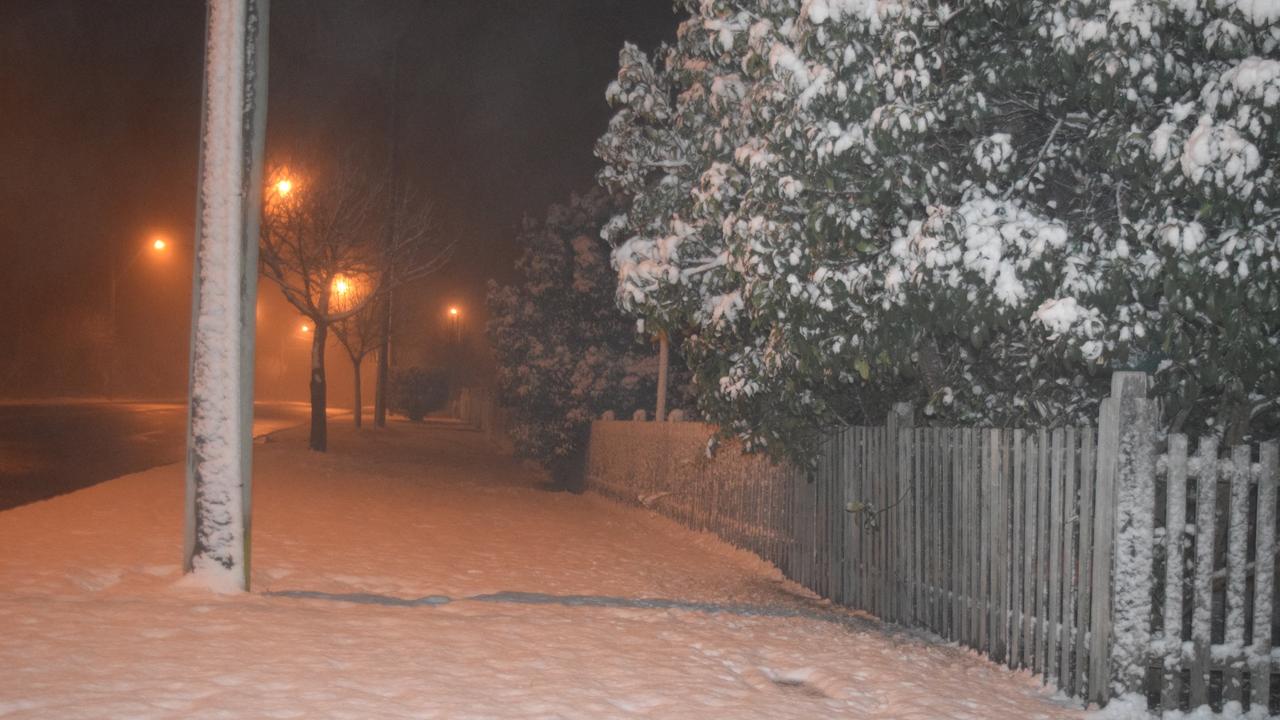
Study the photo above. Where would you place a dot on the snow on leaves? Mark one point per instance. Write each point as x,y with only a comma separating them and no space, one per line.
851,202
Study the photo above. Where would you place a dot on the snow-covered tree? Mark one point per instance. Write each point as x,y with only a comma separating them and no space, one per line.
565,354
984,207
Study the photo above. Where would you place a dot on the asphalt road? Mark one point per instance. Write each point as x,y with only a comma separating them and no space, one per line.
48,449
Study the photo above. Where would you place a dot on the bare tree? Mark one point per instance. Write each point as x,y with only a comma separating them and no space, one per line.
320,244
360,335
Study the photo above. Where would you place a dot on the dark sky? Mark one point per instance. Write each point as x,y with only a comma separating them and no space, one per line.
500,100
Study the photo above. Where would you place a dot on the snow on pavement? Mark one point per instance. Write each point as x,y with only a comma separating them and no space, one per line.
98,624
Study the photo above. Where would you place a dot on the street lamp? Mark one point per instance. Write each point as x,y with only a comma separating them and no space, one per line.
457,328
277,192
114,274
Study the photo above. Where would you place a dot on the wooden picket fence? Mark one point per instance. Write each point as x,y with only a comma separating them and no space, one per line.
479,408
1107,560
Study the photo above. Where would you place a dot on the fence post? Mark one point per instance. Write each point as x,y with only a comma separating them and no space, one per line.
1124,525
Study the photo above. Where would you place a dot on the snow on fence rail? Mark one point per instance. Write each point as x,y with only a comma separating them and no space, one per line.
1046,550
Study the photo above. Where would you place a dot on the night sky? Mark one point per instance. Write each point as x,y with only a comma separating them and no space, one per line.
501,102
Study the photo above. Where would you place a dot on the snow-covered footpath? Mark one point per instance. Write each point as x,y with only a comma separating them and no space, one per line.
97,623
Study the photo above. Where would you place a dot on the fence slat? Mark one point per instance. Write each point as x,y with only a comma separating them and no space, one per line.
1044,486
828,536
929,519
1069,584
963,528
1202,596
1237,569
1052,620
882,551
864,540
886,549
973,537
916,477
983,481
937,527
924,529
1084,604
973,452
902,499
991,491
843,536
1031,464
1264,575
853,539
1175,530
1017,555
850,537
1001,459
953,566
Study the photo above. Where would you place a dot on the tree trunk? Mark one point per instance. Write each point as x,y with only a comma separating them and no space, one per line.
663,356
1236,419
358,409
380,384
931,366
319,427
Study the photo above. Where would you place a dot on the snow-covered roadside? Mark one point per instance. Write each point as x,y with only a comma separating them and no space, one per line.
97,625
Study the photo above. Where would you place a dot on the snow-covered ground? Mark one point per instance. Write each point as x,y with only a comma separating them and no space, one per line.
410,525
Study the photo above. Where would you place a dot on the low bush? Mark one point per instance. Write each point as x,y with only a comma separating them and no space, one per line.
416,392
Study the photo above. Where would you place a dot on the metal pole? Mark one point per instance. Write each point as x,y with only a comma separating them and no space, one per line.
111,328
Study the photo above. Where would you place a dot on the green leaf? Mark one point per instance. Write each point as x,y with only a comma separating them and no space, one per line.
863,368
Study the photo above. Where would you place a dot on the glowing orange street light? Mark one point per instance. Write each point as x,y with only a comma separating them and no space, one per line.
306,328
115,273
457,328
284,186
341,285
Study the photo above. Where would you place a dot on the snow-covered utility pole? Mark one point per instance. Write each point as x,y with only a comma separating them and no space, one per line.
228,211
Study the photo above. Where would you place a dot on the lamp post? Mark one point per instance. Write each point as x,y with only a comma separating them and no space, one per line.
114,275
455,317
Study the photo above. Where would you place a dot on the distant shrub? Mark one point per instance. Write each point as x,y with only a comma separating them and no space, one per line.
415,392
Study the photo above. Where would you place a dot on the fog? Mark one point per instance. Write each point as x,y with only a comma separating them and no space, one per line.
500,103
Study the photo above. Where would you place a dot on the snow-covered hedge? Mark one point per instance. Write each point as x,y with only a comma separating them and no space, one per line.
985,207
